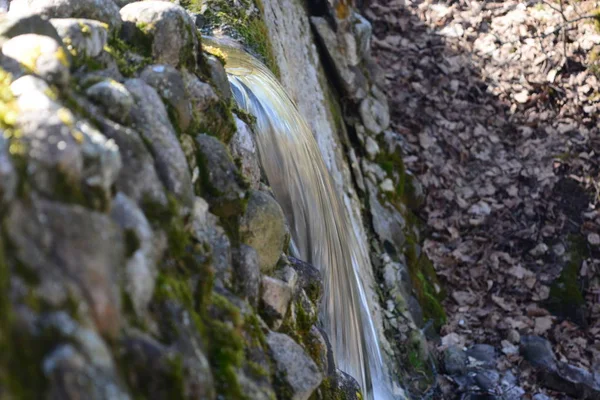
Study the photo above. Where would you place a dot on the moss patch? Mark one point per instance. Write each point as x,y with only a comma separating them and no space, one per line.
241,20
566,295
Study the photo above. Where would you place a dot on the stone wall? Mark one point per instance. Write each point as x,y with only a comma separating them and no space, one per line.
141,254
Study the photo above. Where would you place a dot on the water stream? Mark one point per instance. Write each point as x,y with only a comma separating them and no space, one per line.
321,230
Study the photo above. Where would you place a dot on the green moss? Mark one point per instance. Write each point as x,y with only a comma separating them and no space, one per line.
566,296
233,18
426,286
216,120
130,57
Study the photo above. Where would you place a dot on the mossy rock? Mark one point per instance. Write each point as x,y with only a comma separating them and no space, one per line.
566,298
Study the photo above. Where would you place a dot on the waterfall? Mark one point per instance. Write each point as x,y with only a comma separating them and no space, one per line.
321,230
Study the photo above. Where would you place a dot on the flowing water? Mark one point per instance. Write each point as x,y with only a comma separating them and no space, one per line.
321,231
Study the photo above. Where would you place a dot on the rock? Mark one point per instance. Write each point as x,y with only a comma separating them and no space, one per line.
247,273
113,98
40,55
372,148
363,31
315,340
205,230
538,352
8,175
220,182
243,148
15,25
83,37
151,119
275,300
375,114
219,76
144,250
513,336
71,376
263,227
309,278
487,380
138,179
346,386
101,10
455,360
345,59
168,82
483,353
67,158
81,246
211,113
297,373
166,28
162,373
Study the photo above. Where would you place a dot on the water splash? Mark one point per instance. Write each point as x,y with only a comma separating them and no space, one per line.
321,230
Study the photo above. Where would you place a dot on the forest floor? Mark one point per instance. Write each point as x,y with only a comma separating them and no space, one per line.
496,104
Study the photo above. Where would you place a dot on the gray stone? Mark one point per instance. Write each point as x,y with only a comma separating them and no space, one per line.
138,179
219,76
363,31
342,50
263,227
40,55
299,375
375,114
220,182
347,387
275,299
113,97
168,82
83,37
151,370
144,252
243,148
168,28
8,175
84,247
483,353
211,113
487,380
15,25
247,273
101,10
455,360
319,346
66,157
71,376
538,352
150,117
309,278
205,229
